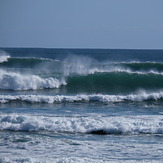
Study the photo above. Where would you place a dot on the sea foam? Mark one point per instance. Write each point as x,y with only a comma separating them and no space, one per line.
18,81
83,98
90,125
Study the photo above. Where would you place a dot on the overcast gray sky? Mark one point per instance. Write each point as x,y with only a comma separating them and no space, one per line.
134,24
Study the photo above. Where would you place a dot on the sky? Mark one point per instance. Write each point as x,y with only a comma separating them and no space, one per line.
112,24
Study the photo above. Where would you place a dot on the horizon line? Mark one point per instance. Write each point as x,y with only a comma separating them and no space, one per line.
81,48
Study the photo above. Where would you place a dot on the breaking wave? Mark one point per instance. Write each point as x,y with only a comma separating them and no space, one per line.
79,74
94,98
103,82
18,81
88,125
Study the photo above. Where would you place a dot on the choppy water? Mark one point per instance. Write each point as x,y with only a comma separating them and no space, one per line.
76,105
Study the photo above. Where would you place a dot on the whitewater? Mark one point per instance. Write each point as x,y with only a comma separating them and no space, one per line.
81,105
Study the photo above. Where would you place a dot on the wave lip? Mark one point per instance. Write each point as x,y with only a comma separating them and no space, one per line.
128,125
94,98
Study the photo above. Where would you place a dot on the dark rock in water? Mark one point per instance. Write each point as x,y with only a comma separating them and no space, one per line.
99,132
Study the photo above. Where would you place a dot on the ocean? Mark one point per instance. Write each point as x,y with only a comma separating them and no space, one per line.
81,105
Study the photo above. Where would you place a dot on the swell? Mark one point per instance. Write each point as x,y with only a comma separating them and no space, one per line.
25,62
76,62
117,125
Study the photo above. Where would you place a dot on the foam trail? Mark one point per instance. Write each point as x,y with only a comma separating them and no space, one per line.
110,125
94,98
123,70
18,81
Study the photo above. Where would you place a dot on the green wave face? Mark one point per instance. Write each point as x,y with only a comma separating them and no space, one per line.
115,82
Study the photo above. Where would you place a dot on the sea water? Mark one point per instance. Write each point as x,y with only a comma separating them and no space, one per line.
81,105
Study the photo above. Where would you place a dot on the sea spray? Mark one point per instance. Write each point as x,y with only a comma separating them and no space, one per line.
4,56
77,65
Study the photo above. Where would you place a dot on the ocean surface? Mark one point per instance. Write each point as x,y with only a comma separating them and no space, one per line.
81,105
